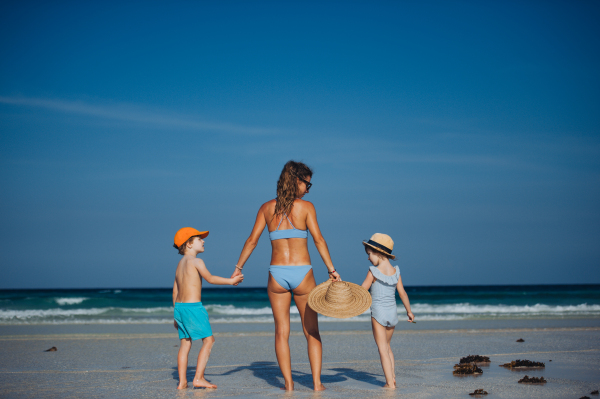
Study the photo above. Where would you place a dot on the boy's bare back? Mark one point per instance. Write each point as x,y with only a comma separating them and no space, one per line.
189,280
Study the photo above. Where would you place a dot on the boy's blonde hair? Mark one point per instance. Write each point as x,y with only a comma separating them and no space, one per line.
182,247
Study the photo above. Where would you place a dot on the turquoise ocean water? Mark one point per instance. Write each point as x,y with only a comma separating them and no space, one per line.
239,305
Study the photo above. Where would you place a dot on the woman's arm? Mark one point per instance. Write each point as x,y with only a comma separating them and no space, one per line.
404,298
313,227
368,280
251,242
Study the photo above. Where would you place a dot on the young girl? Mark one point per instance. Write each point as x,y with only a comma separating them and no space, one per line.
384,279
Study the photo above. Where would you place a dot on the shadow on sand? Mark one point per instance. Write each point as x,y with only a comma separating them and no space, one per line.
269,372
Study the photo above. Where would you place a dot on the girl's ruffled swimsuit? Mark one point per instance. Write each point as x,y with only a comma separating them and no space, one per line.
383,291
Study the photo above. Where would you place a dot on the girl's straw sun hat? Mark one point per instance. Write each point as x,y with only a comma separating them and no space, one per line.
381,243
339,299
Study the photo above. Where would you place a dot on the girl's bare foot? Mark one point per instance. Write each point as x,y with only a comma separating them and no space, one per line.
319,387
202,383
182,385
388,386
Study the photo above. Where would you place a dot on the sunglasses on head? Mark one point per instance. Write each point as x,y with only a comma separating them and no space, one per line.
308,184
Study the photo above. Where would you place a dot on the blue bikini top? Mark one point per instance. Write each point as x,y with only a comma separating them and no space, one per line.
288,233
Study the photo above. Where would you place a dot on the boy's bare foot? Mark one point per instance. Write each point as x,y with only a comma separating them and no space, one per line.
182,385
319,387
202,383
388,386
287,387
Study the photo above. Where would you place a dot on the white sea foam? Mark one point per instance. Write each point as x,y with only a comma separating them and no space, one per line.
467,309
69,301
232,314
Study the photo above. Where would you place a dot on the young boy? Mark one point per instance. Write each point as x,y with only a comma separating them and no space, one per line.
191,318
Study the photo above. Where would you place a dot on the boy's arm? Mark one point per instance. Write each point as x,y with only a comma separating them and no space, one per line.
201,267
404,298
175,292
368,280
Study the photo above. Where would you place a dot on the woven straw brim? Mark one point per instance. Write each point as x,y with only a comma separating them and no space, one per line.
379,250
339,299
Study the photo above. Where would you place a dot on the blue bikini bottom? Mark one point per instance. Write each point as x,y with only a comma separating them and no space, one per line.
289,277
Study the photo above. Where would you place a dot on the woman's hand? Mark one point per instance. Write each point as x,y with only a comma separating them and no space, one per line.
411,317
236,272
335,276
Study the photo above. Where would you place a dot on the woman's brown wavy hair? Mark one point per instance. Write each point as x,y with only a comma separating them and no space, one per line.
287,186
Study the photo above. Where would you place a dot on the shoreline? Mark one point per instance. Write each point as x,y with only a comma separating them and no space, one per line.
125,361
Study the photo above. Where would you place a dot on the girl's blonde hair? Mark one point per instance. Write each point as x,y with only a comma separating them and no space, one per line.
287,186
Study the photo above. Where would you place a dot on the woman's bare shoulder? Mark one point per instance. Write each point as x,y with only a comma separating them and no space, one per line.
302,204
268,206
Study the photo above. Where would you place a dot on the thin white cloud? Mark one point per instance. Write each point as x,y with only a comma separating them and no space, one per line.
136,114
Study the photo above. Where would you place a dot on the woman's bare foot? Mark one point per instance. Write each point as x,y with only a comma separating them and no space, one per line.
182,385
388,386
319,387
202,383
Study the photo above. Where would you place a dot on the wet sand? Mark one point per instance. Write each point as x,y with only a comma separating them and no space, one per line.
139,361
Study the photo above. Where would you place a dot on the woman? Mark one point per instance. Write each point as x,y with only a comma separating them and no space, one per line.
288,219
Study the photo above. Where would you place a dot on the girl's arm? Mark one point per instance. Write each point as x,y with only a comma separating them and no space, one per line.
368,280
251,242
404,299
313,227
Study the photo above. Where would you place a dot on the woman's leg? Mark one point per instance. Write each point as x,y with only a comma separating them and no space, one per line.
310,325
280,300
381,339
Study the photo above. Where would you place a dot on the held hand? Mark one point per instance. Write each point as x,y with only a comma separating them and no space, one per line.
335,276
411,317
238,279
175,324
236,272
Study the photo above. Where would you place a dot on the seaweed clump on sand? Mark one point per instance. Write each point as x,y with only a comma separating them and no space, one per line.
478,392
467,369
474,359
585,397
594,392
53,349
532,380
523,363
520,340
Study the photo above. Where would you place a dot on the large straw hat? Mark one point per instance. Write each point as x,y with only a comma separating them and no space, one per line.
381,243
339,299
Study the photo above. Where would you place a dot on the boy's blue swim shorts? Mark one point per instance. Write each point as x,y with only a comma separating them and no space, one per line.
192,320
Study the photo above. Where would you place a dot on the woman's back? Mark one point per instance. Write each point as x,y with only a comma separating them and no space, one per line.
288,251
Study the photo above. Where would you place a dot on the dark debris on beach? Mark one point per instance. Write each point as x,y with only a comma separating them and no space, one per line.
523,363
474,359
585,397
53,349
467,369
520,340
478,392
594,392
532,380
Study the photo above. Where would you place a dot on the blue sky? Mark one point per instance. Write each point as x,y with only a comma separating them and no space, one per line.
469,132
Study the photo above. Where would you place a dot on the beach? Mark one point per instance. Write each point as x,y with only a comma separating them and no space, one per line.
139,360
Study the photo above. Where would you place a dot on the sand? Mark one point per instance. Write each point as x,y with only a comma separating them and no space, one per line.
139,361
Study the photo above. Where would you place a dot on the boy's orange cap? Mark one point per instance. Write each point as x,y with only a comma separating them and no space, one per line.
185,233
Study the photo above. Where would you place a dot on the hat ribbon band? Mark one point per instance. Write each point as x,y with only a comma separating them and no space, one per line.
382,247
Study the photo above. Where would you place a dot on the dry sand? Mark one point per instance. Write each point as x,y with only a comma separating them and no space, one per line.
139,361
